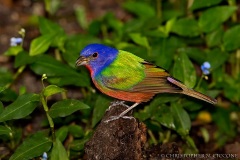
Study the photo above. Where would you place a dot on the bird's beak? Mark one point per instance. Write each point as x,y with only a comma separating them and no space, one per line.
82,61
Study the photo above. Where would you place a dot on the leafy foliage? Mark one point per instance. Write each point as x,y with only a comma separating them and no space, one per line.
32,147
172,35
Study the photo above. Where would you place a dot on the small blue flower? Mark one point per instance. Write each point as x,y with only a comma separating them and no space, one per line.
15,41
205,68
44,156
207,65
206,72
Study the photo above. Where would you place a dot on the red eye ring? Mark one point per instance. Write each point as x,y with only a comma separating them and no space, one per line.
95,54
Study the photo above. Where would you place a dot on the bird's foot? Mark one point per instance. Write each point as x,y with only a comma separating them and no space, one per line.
116,103
113,118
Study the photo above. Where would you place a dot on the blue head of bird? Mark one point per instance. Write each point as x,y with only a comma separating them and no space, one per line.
96,57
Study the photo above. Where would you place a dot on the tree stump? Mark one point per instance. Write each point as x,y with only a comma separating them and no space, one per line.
123,139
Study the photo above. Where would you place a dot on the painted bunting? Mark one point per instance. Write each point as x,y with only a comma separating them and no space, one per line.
125,76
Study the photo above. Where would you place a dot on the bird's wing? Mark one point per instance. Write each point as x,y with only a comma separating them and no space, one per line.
123,73
155,81
133,74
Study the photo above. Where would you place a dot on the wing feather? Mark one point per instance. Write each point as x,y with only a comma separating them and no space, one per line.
142,77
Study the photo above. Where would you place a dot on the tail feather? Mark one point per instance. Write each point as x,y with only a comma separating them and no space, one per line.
191,92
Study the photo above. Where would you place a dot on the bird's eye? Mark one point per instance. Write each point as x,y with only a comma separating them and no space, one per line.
95,54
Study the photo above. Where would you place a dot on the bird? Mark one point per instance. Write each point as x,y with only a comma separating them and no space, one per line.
127,77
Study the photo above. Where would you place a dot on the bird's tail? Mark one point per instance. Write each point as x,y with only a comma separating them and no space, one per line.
191,92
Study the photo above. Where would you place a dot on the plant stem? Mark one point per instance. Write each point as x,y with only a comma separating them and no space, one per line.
159,8
167,137
199,82
19,71
104,31
152,137
12,142
50,121
48,6
234,16
57,55
237,62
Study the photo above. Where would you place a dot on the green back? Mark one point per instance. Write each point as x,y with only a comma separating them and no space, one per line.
123,73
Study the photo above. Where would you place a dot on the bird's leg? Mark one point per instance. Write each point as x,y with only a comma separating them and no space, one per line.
121,115
116,103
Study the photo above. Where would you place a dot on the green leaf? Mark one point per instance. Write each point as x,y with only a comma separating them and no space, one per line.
50,66
166,118
221,117
74,45
62,133
23,58
33,146
52,6
230,38
140,9
101,104
78,145
195,54
134,25
41,44
191,143
20,108
159,32
76,131
216,62
114,23
218,15
157,110
193,106
198,4
139,39
81,16
231,88
184,70
51,90
214,38
1,107
2,89
186,27
4,130
58,151
165,50
45,64
65,80
8,95
66,107
13,51
48,27
5,78
169,13
94,27
181,119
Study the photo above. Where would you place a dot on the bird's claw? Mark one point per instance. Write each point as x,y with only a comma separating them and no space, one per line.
116,103
112,118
